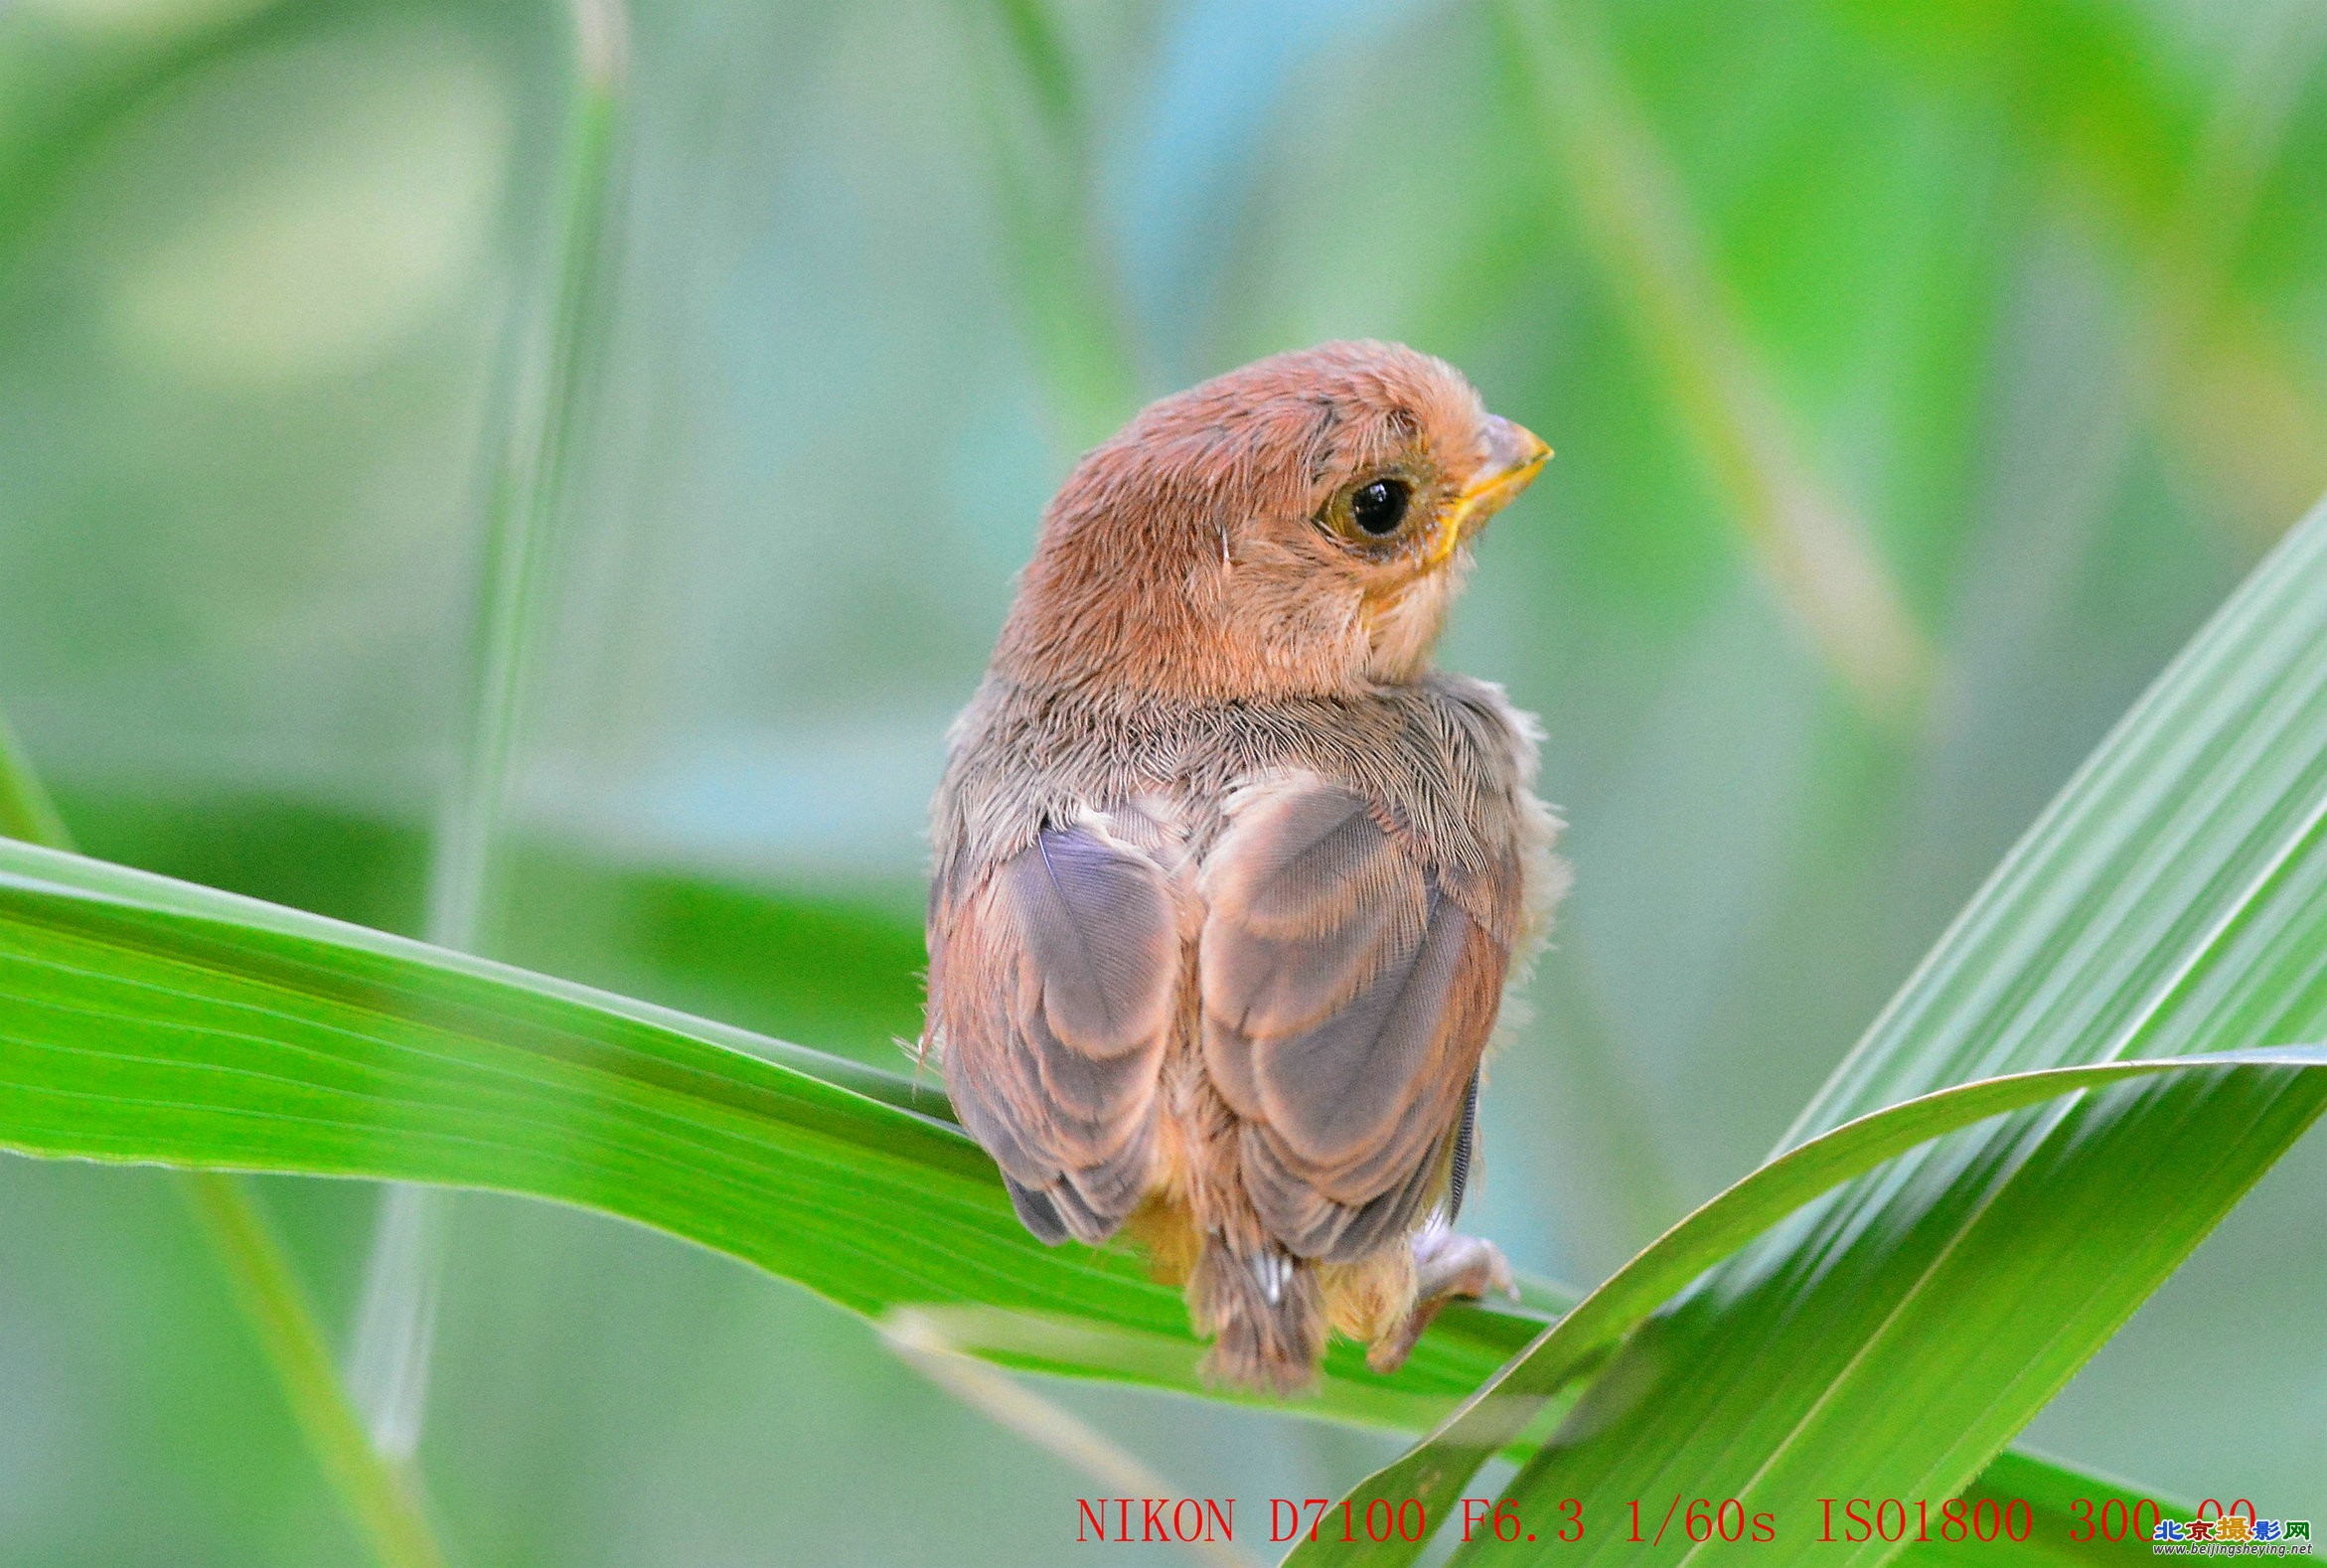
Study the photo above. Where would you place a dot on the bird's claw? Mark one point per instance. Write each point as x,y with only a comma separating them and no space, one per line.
1447,1264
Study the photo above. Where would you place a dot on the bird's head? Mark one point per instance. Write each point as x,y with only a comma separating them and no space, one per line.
1296,527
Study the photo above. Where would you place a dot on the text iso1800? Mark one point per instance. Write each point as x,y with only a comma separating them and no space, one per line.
1852,1521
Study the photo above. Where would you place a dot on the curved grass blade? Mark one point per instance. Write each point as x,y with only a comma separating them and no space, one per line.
381,1499
155,1021
151,1021
1436,1472
545,377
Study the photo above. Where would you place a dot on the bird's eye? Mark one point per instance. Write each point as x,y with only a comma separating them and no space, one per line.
1379,507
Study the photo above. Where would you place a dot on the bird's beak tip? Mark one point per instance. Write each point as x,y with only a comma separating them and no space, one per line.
1515,456
1518,453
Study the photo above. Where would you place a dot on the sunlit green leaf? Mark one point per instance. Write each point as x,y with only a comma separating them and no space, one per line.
1436,1472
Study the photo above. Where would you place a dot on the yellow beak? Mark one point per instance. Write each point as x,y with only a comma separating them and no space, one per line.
1515,456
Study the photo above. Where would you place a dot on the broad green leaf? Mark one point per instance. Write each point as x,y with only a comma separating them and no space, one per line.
1889,1341
167,960
1436,1472
146,1019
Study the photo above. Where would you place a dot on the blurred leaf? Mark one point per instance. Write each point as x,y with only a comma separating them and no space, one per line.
2084,76
1814,551
1010,1404
548,377
2173,901
1044,191
841,968
1042,56
26,810
843,971
58,97
2091,90
2234,397
152,1020
379,1496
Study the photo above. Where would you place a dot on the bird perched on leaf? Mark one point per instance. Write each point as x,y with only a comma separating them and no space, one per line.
1229,880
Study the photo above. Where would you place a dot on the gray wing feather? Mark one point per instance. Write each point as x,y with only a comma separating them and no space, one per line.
1347,1004
1056,989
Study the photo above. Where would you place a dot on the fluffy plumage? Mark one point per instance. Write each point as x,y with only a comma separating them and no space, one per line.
1229,881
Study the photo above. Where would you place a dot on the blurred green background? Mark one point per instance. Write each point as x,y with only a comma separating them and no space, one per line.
1922,371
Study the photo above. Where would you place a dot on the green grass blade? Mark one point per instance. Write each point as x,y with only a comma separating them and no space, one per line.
553,351
544,394
145,1019
273,1301
1436,1472
2068,1514
152,1019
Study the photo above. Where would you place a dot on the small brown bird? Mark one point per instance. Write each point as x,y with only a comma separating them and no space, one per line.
1228,879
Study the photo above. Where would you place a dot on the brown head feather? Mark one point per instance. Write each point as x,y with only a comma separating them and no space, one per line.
1207,550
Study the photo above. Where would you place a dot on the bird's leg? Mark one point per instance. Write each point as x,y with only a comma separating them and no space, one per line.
1447,1264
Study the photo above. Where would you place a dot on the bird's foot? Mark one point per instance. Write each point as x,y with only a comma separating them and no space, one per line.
1447,1264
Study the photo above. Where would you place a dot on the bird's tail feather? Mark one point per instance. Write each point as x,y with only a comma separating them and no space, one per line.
1265,1314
